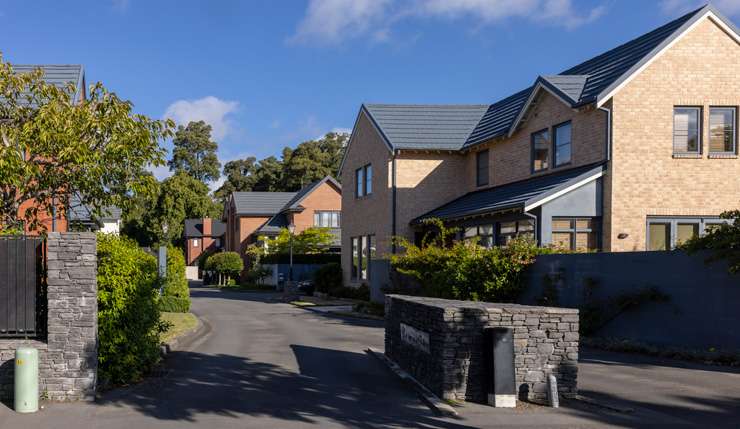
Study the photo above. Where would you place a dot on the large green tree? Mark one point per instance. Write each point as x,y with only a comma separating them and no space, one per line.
239,176
181,197
195,153
53,146
313,160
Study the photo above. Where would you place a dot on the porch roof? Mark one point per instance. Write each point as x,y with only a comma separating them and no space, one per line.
524,195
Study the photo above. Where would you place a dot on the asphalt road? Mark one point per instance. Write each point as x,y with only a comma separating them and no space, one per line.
268,364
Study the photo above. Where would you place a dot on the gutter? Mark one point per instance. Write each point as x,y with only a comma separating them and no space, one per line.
393,202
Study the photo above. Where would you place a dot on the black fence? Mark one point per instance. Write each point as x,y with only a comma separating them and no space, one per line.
22,287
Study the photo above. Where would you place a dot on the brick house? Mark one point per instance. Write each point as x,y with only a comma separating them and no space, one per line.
60,75
202,235
632,150
250,215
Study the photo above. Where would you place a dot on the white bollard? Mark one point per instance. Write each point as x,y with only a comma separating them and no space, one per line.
552,391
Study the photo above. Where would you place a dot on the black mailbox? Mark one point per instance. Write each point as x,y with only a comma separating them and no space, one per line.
500,372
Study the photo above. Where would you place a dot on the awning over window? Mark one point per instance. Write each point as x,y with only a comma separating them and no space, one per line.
524,195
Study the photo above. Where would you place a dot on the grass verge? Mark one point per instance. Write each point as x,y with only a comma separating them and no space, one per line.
180,323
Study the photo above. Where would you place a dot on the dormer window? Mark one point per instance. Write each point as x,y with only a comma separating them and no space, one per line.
540,150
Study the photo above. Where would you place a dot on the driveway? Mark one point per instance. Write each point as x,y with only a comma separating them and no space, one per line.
268,364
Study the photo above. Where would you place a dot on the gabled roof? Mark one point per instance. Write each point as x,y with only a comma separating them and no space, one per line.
57,74
425,127
273,203
448,127
295,202
260,203
194,228
78,212
524,195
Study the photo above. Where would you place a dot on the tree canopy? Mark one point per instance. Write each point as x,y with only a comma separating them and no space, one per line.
195,153
310,161
54,146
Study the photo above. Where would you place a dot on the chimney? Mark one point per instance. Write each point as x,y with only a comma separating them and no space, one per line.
206,227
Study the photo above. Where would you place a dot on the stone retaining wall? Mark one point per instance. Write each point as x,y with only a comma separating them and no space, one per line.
442,345
68,356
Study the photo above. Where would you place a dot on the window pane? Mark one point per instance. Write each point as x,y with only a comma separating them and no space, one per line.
686,231
317,219
685,130
363,259
355,257
486,241
561,224
660,236
325,219
525,226
562,144
721,129
485,230
586,241
358,182
584,224
540,150
481,164
561,240
508,227
334,219
368,180
471,231
339,220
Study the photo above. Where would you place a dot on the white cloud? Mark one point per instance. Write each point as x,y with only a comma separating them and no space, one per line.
212,110
673,7
340,130
333,21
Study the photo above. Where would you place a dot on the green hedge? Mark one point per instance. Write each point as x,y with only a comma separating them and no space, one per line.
176,284
317,258
128,318
174,304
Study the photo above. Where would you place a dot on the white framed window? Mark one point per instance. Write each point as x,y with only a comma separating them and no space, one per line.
196,242
327,219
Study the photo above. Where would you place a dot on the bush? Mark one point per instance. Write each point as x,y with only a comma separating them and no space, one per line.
174,304
361,293
256,275
722,241
128,318
175,292
328,277
225,264
464,270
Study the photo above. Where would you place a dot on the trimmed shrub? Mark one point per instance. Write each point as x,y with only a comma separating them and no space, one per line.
464,270
174,304
128,316
175,284
328,278
225,264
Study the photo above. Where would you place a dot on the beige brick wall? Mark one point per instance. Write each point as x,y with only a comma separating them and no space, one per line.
511,159
370,214
701,69
426,181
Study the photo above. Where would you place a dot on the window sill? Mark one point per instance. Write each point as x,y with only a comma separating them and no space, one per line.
721,155
687,155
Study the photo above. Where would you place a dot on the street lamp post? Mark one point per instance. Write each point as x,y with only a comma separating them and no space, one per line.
291,230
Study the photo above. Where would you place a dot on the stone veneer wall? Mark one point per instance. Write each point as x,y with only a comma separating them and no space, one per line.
68,357
545,342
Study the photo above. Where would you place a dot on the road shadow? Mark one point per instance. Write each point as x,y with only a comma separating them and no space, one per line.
641,360
343,387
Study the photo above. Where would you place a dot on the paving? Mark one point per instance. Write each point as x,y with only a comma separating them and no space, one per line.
262,363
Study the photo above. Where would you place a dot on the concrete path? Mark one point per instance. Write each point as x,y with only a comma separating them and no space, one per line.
269,364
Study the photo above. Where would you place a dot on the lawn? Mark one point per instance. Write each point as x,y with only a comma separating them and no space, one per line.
180,323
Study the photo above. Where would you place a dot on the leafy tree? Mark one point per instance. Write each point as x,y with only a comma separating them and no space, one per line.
53,146
309,241
181,197
227,265
195,152
239,177
722,241
136,216
313,160
268,175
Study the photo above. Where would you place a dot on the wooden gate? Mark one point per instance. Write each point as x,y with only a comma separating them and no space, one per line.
22,287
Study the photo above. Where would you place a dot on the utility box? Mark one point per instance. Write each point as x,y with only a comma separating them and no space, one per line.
26,380
499,359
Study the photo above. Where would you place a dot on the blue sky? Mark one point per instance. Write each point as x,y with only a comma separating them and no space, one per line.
267,74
